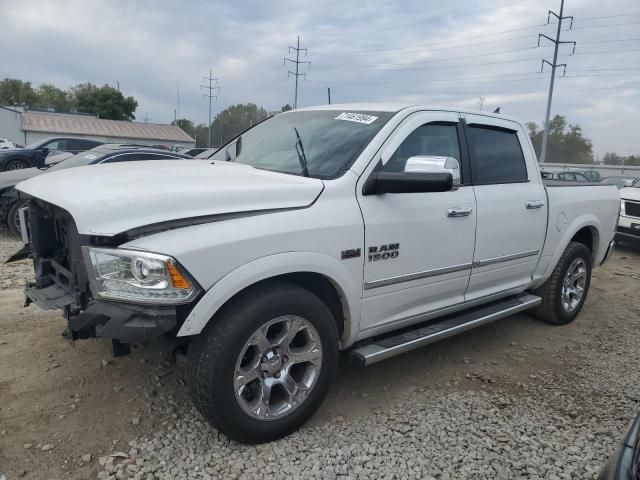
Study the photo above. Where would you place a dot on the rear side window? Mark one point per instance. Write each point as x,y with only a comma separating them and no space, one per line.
496,156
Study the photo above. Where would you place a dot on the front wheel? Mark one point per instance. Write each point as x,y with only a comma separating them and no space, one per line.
264,364
564,292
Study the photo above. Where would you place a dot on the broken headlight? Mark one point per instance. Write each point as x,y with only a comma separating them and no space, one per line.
139,277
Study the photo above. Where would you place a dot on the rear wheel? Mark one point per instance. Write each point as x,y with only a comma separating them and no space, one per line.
564,293
264,364
17,164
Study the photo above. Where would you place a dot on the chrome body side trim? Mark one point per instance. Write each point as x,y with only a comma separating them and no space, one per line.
505,258
416,276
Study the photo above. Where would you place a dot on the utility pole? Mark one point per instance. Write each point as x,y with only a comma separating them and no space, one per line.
178,98
481,102
329,95
556,43
297,62
210,88
147,118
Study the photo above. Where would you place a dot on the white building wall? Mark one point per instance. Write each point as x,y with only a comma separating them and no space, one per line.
10,126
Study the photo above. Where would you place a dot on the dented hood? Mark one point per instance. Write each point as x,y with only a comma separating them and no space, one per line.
113,198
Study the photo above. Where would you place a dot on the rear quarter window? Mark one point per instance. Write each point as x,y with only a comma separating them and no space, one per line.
496,155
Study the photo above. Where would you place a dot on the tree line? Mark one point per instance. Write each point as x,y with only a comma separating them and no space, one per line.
105,102
227,124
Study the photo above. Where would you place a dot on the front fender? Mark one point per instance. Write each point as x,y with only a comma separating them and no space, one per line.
271,266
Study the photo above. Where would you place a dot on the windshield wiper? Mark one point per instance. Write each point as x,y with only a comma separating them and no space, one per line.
301,156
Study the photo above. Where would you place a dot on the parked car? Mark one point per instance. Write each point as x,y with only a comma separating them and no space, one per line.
106,153
193,152
6,144
372,228
34,155
566,176
629,222
592,175
619,181
624,464
207,152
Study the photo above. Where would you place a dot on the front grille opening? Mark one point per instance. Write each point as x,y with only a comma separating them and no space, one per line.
632,209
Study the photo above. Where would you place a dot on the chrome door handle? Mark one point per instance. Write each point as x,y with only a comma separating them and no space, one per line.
532,204
459,212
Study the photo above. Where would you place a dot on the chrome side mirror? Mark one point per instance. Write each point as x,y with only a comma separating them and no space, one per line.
434,164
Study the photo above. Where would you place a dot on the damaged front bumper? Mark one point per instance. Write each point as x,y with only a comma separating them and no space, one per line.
61,282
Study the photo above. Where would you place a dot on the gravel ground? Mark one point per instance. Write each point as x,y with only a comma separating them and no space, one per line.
515,399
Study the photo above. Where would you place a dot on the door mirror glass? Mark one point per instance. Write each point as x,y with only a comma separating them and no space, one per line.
434,164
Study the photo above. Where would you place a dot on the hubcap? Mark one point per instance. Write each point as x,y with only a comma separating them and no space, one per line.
278,367
573,285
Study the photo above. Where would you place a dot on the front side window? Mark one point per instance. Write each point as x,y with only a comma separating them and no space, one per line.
322,143
431,139
55,145
496,155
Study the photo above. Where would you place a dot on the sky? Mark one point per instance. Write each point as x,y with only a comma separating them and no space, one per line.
452,53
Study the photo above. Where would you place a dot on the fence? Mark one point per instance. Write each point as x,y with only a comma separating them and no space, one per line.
605,170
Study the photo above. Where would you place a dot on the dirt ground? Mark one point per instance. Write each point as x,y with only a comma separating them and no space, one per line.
61,402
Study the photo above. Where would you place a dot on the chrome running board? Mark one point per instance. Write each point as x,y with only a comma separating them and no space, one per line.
389,346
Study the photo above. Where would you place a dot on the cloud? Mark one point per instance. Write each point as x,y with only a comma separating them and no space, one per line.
381,50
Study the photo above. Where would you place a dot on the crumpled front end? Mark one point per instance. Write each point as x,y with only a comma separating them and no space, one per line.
62,282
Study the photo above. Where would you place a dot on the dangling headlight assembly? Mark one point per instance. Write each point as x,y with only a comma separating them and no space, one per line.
138,277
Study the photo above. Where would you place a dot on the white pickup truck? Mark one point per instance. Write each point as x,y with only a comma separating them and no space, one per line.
373,228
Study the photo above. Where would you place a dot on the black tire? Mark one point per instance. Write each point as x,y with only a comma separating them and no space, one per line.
17,164
551,309
12,217
213,355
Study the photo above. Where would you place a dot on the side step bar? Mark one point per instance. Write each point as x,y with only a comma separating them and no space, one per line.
385,347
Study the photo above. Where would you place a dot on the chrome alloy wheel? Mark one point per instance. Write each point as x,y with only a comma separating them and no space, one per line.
278,367
573,285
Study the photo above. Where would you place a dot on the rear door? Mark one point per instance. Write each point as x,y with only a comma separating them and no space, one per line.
511,206
417,252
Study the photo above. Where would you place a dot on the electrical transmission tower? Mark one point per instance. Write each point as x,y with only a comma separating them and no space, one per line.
210,88
556,43
297,62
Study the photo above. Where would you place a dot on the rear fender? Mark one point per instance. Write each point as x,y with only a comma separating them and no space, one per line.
566,234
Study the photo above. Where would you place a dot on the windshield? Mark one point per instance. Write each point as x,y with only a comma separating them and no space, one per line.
326,142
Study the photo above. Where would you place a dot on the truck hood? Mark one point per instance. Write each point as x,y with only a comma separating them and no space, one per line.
114,198
630,193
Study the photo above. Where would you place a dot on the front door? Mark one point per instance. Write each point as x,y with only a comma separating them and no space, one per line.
418,246
511,206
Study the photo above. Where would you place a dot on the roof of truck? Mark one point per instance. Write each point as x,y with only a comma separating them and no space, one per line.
396,107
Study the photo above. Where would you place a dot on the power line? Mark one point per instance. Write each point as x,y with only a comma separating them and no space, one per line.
210,88
604,26
297,63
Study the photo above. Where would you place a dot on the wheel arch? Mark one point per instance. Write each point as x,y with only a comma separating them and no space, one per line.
320,274
586,230
11,158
